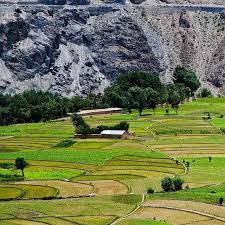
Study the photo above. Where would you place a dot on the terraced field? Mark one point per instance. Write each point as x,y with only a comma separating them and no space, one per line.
105,181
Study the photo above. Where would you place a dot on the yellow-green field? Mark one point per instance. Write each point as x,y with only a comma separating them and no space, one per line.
105,181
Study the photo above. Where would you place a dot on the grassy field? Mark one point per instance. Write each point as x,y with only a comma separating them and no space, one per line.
111,174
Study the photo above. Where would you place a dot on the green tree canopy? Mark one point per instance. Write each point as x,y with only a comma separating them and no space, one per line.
138,79
152,98
21,164
139,98
187,77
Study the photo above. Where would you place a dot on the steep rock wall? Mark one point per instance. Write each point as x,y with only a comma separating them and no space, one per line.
82,49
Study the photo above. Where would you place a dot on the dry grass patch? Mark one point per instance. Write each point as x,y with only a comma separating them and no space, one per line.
174,217
108,187
55,221
25,222
189,205
92,220
66,189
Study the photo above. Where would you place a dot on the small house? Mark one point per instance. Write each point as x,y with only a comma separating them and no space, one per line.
122,134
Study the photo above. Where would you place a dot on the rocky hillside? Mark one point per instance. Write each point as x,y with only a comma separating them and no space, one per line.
216,2
82,49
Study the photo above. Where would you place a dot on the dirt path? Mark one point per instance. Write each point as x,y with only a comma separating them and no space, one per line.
127,215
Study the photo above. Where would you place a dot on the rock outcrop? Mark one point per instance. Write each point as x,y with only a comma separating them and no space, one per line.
70,50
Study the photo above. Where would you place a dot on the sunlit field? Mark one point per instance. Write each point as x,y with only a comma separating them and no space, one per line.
105,181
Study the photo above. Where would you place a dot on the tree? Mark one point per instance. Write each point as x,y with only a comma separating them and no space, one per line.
177,183
21,164
174,101
76,103
113,96
128,102
138,79
187,77
139,97
152,98
188,92
167,184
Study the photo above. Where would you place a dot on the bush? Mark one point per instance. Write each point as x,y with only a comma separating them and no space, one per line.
172,184
167,184
177,183
204,93
223,130
150,191
65,143
10,177
121,126
6,165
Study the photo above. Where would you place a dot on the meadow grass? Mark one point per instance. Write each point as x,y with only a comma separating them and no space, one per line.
139,163
91,220
209,194
141,222
95,206
7,192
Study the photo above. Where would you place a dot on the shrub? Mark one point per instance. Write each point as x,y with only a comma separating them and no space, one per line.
6,165
172,184
10,177
177,183
223,130
167,184
150,191
65,143
205,93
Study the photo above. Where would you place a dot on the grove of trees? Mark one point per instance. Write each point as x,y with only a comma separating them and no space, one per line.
135,90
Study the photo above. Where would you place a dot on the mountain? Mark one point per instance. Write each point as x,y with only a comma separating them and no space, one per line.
81,49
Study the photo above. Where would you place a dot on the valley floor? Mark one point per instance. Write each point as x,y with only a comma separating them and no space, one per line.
105,181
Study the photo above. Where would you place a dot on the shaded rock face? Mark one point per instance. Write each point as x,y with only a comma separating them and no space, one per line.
81,50
216,2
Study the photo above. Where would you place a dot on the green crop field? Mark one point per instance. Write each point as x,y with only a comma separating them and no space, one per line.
105,181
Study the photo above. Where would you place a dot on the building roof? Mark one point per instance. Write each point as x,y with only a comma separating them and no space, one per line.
113,132
108,110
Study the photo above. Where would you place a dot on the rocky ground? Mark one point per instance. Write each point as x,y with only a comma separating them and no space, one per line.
82,49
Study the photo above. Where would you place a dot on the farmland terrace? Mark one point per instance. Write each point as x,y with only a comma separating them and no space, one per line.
105,181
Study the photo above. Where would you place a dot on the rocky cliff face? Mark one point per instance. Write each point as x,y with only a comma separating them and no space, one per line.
82,49
216,2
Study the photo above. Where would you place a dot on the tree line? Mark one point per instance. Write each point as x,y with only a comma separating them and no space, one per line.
139,90
135,90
